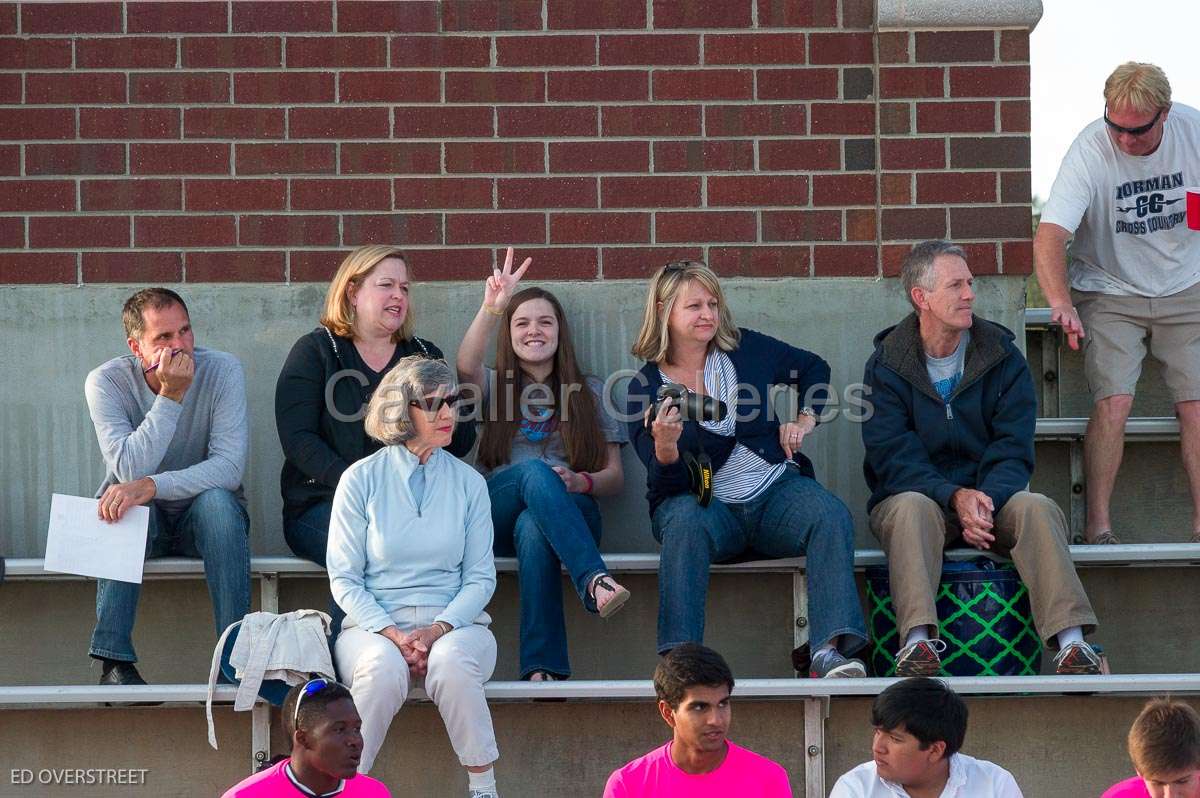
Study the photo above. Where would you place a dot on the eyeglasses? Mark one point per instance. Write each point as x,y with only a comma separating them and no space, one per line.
434,404
311,687
1132,131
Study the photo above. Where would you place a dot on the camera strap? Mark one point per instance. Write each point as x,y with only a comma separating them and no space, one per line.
700,474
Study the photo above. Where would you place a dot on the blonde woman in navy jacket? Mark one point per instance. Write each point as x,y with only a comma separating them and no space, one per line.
765,498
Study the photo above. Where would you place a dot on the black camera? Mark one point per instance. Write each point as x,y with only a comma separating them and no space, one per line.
692,406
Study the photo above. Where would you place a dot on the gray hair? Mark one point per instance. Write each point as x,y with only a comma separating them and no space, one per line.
917,270
389,417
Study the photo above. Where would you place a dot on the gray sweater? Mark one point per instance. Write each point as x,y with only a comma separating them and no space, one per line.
185,448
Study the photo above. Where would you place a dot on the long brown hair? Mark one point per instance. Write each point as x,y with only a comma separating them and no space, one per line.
579,425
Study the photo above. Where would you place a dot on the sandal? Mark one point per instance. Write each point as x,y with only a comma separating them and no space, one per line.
544,676
1106,538
608,595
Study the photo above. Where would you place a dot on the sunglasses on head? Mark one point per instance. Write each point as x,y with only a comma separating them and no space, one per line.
311,687
680,266
433,404
1132,131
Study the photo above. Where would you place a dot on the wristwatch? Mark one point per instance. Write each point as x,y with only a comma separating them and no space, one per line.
808,411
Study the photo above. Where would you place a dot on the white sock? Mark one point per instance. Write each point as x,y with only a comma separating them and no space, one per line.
916,634
482,781
827,647
1068,636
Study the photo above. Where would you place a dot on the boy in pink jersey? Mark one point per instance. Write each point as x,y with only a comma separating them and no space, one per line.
1164,744
326,735
693,684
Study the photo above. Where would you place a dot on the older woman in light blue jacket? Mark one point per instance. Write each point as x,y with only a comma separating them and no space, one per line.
410,561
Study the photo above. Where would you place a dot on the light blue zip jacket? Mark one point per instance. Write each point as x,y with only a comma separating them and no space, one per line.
387,552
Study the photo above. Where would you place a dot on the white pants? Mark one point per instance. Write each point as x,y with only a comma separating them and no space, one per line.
460,663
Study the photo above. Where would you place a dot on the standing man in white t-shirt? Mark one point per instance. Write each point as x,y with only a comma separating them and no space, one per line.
1134,269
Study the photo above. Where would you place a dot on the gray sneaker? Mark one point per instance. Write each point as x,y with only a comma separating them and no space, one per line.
1077,659
920,659
832,664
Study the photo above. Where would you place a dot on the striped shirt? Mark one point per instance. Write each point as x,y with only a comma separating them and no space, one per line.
745,475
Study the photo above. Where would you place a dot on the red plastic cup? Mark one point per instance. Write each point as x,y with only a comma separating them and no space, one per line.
1193,208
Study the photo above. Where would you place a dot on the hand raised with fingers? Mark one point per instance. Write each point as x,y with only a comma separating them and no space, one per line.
500,287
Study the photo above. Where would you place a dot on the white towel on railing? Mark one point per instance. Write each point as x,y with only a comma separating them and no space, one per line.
269,646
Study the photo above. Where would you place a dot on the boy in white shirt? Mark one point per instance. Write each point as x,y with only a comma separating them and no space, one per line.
919,725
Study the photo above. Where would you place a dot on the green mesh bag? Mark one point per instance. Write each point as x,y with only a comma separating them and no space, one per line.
984,615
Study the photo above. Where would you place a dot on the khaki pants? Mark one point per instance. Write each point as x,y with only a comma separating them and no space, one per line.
1030,529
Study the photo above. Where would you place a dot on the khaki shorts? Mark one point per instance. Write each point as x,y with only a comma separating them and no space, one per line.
1117,329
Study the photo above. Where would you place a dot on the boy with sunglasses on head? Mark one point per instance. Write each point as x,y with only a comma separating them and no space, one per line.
326,733
1134,269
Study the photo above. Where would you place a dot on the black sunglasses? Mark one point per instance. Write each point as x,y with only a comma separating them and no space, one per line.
681,266
433,404
1132,131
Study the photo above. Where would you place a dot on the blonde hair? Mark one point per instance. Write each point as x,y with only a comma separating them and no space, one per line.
654,338
338,314
389,417
1143,87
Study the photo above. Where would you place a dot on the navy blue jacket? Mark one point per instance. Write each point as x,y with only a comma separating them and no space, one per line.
761,361
982,438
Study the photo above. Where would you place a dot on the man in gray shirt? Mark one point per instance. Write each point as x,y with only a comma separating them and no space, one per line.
172,426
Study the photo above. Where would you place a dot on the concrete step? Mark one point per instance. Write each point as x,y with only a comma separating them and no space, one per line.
46,625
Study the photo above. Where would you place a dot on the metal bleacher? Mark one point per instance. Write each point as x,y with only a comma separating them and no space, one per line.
286,582
815,694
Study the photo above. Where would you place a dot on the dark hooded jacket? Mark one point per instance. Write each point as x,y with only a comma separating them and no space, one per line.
981,438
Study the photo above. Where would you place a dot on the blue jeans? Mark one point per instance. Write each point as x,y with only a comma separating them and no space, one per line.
793,517
308,537
536,520
216,528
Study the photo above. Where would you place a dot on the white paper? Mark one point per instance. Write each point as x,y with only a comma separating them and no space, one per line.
78,542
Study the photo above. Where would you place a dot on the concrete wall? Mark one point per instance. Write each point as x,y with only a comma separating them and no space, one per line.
49,444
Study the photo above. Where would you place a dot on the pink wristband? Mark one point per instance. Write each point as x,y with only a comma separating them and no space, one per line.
588,478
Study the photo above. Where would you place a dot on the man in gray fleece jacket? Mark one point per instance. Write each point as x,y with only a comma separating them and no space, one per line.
172,426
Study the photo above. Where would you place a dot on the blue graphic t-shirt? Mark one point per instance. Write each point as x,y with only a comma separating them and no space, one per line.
538,436
946,372
538,423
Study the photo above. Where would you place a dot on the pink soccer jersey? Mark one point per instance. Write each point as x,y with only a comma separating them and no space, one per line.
743,773
276,782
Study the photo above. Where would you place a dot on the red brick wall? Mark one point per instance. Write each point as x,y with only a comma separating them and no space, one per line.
255,141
